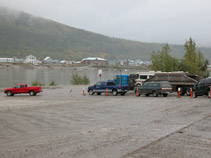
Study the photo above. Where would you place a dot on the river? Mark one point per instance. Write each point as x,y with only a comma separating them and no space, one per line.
9,76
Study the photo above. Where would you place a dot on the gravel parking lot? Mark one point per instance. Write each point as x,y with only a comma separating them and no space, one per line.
61,122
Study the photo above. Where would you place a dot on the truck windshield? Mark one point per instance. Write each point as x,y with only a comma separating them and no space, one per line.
143,77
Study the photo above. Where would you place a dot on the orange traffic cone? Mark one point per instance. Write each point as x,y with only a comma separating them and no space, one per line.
84,92
137,92
191,93
178,92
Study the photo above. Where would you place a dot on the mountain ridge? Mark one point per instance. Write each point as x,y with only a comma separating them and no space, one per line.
22,34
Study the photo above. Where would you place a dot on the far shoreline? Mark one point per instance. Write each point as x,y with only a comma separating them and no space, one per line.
73,66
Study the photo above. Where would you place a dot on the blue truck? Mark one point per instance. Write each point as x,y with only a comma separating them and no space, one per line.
111,86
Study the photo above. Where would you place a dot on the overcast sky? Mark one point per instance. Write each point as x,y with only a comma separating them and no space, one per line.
160,21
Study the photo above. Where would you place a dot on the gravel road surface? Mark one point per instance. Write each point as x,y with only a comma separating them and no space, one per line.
61,122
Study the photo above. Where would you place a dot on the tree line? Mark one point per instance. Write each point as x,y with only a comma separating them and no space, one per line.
193,61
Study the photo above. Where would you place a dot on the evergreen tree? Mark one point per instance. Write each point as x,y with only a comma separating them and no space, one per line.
193,61
162,61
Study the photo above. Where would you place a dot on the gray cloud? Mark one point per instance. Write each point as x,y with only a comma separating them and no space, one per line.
161,21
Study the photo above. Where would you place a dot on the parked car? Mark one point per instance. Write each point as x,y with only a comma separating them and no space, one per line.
202,88
154,88
22,88
101,87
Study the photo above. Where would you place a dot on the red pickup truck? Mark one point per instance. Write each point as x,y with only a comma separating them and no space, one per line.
22,88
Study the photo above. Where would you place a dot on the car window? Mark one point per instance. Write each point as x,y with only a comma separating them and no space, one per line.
17,86
110,83
98,84
102,83
166,85
155,84
202,84
199,84
145,84
21,86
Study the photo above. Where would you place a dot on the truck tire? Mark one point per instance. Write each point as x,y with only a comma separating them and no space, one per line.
155,94
114,92
188,92
138,85
31,93
194,94
91,92
122,94
183,91
208,94
9,93
165,95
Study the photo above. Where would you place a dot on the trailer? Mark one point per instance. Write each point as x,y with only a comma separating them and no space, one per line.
180,79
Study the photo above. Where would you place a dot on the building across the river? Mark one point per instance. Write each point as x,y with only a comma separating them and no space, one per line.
94,61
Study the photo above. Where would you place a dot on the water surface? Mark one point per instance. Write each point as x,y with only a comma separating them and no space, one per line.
60,75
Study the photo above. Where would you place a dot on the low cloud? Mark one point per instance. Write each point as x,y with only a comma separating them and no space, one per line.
160,21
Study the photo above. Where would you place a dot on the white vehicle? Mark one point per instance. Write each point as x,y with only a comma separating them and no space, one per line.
143,76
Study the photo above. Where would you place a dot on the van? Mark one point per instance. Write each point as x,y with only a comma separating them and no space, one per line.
202,88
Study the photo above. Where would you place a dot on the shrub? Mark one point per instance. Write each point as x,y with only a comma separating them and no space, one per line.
37,83
86,80
52,83
78,80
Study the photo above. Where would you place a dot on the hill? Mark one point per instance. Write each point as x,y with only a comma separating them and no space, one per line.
22,34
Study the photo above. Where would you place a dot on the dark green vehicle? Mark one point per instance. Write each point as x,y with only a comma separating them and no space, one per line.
154,88
202,88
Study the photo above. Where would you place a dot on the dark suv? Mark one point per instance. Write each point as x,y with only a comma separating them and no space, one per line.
154,88
202,88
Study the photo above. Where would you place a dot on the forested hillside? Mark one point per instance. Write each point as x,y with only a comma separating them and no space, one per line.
22,34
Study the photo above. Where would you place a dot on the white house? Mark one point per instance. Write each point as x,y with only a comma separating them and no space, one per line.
48,60
94,60
6,60
138,62
30,59
131,62
63,62
69,62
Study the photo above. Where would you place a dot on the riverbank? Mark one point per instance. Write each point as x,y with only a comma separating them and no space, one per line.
73,66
